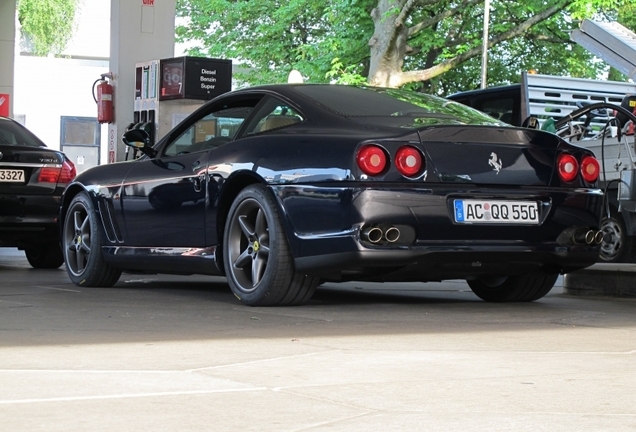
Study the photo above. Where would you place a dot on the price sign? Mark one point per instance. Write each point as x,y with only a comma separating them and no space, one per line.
172,80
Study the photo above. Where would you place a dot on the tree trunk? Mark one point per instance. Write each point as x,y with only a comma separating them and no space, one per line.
388,45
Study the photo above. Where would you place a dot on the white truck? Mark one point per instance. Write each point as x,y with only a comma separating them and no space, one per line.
550,98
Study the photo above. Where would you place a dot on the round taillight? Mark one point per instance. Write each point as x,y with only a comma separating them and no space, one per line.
568,167
590,169
409,161
371,159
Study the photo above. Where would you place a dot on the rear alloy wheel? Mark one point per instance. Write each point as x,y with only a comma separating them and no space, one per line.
617,246
258,262
45,256
519,288
82,240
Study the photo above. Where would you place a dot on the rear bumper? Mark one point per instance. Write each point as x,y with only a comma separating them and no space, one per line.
28,219
436,264
25,235
324,226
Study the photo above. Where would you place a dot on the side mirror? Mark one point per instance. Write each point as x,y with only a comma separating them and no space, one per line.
139,139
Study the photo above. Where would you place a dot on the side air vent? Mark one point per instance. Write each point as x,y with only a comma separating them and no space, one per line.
110,226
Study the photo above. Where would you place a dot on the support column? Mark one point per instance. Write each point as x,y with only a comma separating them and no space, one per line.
141,30
7,52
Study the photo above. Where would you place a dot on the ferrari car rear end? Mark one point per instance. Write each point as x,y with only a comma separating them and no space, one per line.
507,209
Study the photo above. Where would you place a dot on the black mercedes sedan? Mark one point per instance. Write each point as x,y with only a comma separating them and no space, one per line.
32,180
283,187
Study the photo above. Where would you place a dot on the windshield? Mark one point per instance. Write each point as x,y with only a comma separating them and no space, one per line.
12,133
394,107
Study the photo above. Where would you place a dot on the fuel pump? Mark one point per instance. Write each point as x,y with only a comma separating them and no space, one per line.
168,90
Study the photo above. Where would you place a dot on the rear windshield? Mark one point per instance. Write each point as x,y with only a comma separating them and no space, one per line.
393,107
12,133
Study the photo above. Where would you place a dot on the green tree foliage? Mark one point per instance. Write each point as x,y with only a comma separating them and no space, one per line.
272,37
545,48
47,24
434,45
627,17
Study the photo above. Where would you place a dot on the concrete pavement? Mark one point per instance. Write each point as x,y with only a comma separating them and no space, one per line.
168,353
605,279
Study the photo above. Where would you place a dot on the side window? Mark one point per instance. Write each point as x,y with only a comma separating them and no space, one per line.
273,114
211,131
501,109
6,137
12,133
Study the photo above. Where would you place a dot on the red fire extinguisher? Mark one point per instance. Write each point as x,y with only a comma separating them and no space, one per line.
104,99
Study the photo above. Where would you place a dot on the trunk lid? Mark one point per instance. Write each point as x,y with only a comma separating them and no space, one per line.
490,155
29,170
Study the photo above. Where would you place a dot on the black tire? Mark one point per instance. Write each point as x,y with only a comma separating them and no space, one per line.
520,288
617,246
45,256
82,240
258,263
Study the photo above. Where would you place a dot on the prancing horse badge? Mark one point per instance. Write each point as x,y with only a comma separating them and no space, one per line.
495,162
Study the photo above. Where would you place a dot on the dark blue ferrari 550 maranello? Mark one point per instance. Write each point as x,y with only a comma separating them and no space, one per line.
282,187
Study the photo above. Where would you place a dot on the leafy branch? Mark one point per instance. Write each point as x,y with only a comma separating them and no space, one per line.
47,24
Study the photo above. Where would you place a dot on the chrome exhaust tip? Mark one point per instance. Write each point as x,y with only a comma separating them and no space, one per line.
392,234
372,234
581,236
599,237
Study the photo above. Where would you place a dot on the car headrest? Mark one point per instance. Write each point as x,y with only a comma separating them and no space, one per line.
278,121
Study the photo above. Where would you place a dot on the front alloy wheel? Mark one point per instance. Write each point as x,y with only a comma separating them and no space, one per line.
248,245
77,236
82,240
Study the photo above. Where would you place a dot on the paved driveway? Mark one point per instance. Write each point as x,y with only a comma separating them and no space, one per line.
166,353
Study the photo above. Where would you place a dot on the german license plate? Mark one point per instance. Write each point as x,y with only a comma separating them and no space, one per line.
496,212
9,175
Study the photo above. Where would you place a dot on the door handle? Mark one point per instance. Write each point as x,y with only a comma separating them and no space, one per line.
198,182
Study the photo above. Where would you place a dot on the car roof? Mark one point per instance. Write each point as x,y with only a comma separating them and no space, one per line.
486,91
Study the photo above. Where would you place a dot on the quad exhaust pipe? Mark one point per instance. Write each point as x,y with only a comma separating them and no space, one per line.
377,234
380,233
589,237
594,237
